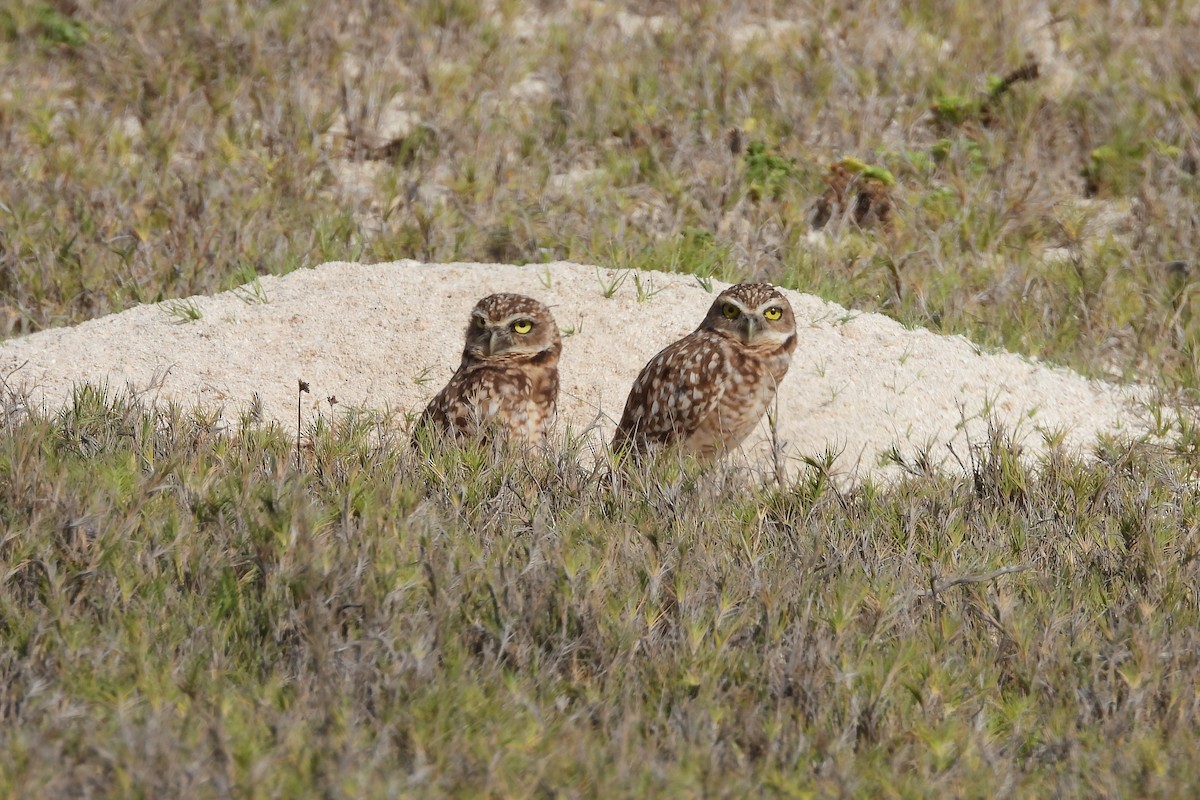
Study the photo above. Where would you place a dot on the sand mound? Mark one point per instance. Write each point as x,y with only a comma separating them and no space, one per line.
387,336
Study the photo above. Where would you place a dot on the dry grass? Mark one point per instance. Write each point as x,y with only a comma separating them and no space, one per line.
184,611
162,149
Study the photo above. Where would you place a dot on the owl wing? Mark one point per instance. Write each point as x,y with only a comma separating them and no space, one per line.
673,394
476,398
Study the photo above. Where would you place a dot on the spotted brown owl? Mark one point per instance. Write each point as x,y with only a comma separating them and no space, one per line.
508,377
707,391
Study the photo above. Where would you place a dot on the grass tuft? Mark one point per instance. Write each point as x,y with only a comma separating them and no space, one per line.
183,311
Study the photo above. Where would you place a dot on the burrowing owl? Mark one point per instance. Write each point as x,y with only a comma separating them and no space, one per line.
707,391
508,377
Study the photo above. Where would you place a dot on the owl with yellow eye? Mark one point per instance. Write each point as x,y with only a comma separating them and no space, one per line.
706,392
507,381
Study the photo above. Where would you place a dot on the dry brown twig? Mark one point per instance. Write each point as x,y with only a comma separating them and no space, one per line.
937,588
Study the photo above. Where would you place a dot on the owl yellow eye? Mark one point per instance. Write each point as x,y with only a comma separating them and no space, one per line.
522,326
730,311
773,313
479,323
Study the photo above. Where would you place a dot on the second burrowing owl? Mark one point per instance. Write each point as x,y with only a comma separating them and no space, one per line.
507,380
707,391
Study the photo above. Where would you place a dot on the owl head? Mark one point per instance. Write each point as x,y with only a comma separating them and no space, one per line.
755,314
511,327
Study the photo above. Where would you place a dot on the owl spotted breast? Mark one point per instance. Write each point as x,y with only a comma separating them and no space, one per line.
707,391
507,380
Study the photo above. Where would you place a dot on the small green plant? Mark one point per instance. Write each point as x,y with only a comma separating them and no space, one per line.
701,253
183,311
611,281
645,289
424,376
56,28
875,172
953,109
571,330
767,173
252,293
1115,169
960,150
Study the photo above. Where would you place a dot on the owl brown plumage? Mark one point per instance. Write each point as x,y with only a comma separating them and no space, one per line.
508,377
707,391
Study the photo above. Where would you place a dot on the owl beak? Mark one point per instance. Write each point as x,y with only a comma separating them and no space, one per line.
493,343
752,327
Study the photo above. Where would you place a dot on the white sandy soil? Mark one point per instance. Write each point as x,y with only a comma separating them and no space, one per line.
387,336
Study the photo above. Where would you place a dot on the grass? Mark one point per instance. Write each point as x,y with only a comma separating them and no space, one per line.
140,166
185,609
183,311
187,612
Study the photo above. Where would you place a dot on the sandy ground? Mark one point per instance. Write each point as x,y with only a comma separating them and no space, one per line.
387,336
